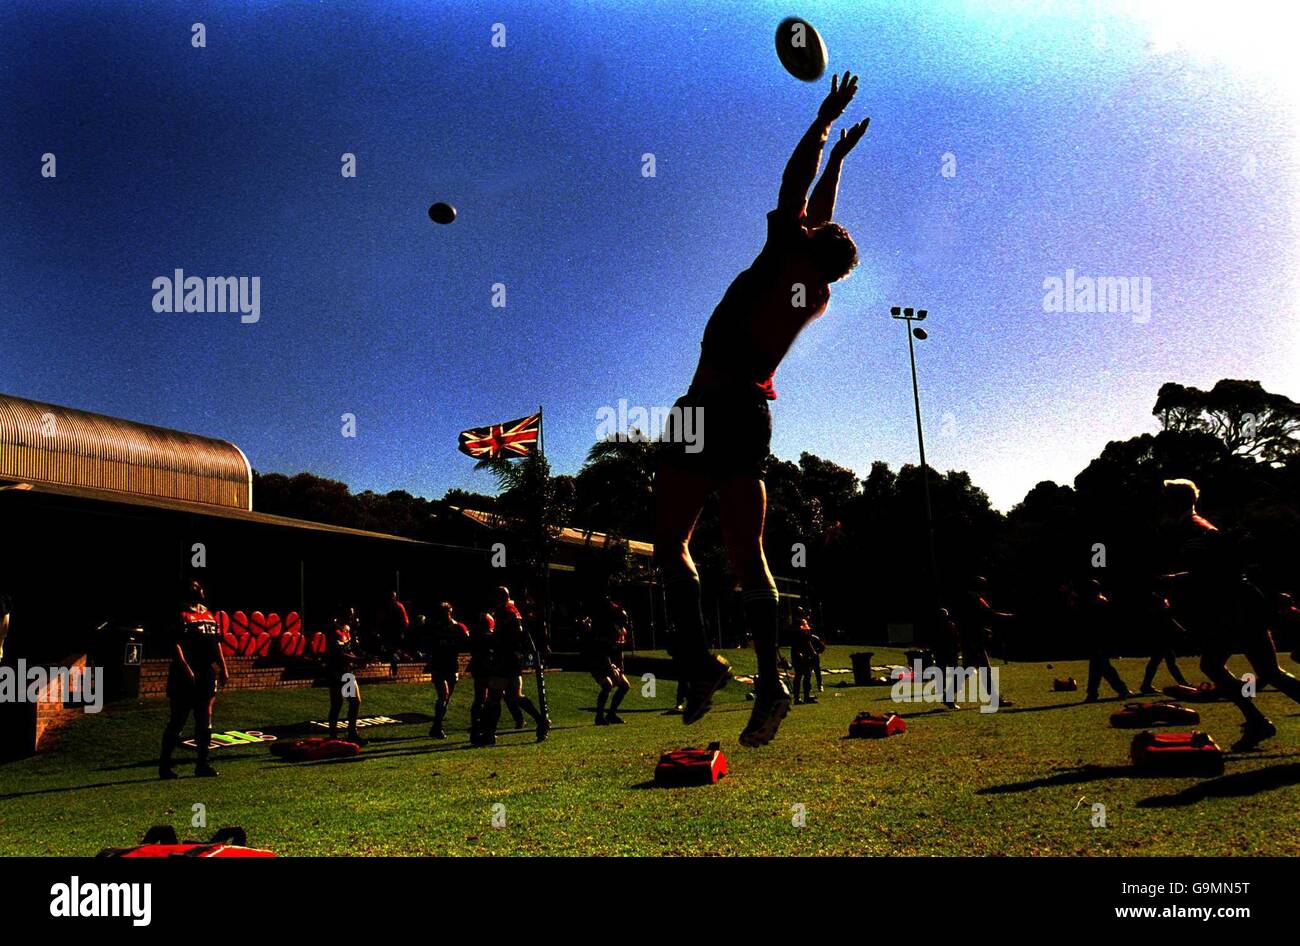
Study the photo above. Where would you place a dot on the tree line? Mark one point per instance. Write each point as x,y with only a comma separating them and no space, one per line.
859,545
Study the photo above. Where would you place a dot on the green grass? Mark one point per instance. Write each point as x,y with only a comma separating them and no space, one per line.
1020,781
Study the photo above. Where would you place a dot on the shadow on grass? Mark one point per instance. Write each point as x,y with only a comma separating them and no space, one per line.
1236,785
1075,705
1075,776
80,788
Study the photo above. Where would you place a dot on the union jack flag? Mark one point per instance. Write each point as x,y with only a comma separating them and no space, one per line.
514,438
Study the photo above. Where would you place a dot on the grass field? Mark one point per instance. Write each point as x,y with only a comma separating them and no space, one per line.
1020,781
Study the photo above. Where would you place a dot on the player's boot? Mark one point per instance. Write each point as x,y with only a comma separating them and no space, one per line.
1252,734
203,770
167,773
613,719
770,707
600,720
711,675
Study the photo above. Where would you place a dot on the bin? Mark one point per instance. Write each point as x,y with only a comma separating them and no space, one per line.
862,667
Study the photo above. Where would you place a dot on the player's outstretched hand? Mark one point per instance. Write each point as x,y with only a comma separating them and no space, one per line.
839,97
849,138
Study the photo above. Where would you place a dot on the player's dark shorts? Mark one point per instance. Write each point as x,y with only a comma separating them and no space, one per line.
181,688
730,434
507,664
335,675
1230,620
444,667
604,664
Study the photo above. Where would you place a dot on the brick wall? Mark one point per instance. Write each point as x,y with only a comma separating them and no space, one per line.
254,673
50,714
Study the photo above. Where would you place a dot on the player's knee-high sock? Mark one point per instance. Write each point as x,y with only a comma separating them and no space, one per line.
354,709
1171,661
202,734
1149,674
601,697
682,597
525,704
336,704
171,735
440,711
618,698
1272,672
1219,674
760,606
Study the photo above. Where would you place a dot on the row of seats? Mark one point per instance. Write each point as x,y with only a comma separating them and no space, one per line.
267,635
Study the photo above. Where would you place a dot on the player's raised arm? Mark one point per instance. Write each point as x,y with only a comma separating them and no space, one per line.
821,206
801,170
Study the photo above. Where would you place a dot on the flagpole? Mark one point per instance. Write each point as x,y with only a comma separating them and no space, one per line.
546,563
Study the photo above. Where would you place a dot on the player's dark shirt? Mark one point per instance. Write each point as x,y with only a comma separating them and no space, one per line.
200,642
340,648
447,640
510,634
801,644
757,320
480,646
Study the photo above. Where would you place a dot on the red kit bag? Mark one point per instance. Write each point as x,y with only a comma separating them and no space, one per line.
1141,715
876,726
1176,753
314,748
1205,693
161,841
691,766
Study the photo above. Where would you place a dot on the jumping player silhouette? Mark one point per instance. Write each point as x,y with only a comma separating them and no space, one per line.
1221,608
749,333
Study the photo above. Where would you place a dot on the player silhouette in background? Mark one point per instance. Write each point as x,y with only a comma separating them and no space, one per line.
1166,633
341,658
1222,610
198,666
750,331
1096,619
606,638
447,639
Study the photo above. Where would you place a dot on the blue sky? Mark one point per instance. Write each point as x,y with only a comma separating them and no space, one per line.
1157,142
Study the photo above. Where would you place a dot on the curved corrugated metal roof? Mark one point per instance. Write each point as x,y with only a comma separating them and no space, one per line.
52,444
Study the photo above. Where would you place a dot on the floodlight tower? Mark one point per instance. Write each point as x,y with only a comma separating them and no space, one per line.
908,316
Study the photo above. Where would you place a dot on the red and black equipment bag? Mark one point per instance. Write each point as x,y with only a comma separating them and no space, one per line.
1176,753
161,841
314,748
691,766
1205,693
1141,715
876,726
1064,685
